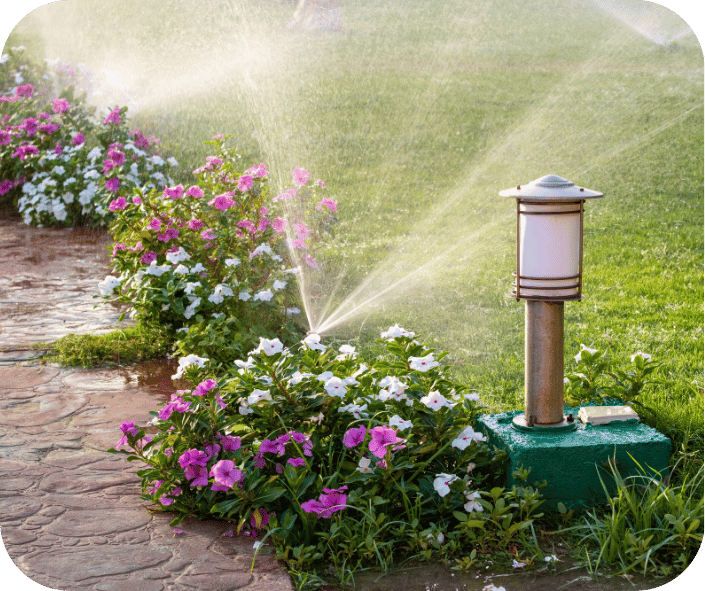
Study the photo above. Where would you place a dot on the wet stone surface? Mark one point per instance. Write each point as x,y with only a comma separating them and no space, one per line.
70,513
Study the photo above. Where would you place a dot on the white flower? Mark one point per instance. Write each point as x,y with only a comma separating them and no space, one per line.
264,295
187,361
298,377
398,423
262,248
442,483
346,352
58,170
551,558
277,285
335,387
220,292
313,342
293,271
157,270
199,268
171,160
108,284
190,286
396,331
472,397
258,396
364,466
158,160
324,376
517,564
435,400
245,365
269,347
178,256
355,409
644,356
244,296
578,357
69,181
244,409
422,363
392,388
472,502
181,269
68,197
234,262
466,437
291,311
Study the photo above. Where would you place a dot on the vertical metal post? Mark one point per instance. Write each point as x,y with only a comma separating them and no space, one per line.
543,395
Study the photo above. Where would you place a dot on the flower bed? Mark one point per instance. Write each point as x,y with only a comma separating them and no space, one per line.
336,459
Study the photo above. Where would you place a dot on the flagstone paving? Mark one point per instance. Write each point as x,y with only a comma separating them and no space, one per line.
70,513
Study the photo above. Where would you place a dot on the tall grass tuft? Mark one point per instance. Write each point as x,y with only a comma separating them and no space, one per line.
649,525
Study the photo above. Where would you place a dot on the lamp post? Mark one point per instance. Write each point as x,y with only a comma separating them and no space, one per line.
548,273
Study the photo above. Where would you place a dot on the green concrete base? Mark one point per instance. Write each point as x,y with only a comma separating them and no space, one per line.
573,462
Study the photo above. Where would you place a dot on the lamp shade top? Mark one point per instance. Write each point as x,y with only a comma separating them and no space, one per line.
550,188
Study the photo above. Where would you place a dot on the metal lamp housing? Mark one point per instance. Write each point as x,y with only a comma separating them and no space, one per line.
549,272
549,239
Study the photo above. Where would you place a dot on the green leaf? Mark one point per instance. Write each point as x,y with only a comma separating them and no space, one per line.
462,517
269,496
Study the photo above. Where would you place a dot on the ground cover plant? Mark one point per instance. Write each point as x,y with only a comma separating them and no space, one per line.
418,118
339,461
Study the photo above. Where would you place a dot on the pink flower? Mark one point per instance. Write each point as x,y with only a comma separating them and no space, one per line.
286,195
296,462
193,457
300,176
119,203
27,90
148,257
301,231
222,202
382,437
195,224
244,183
176,192
310,261
113,117
225,474
25,150
49,128
112,184
258,171
353,437
204,387
329,203
229,442
116,156
278,224
208,235
247,225
78,139
5,186
168,234
60,105
155,224
194,191
136,200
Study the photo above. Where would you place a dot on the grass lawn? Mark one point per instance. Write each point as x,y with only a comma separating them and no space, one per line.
416,117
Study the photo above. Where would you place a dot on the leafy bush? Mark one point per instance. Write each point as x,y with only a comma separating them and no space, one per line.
337,459
59,161
215,263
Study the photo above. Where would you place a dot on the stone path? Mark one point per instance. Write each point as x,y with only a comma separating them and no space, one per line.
70,513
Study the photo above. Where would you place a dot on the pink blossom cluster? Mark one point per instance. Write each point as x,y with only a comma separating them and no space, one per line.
330,501
380,437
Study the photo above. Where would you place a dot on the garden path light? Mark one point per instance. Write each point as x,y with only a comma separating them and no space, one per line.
548,273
